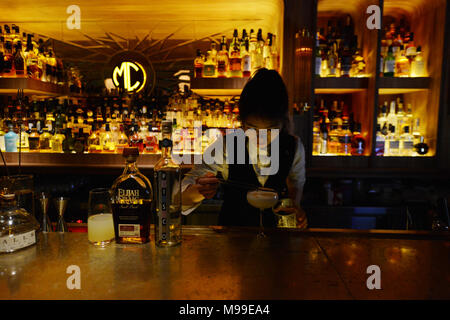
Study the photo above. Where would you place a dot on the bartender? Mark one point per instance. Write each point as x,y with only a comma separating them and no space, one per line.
263,104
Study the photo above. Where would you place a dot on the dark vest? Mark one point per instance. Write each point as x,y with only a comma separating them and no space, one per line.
236,211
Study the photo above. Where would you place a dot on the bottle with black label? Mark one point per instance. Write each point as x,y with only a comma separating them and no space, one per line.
168,194
132,196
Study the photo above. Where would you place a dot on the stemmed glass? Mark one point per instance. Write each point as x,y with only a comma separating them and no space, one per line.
262,199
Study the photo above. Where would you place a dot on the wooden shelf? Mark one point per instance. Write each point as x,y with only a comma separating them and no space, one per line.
340,85
32,87
87,161
403,85
218,86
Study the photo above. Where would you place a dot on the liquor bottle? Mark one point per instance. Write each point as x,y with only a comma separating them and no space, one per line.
274,55
266,62
358,141
402,64
332,62
19,61
318,62
222,60
8,62
316,135
259,63
168,195
93,141
382,117
380,142
80,142
131,202
389,64
334,142
408,119
406,143
323,137
2,52
336,115
198,65
214,54
393,142
31,59
246,60
209,67
42,61
136,140
391,119
421,148
23,141
33,140
418,64
51,62
235,59
44,140
122,141
57,140
347,62
11,139
411,49
69,141
345,141
234,42
18,227
107,141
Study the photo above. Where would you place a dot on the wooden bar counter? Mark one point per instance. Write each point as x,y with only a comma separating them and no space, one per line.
232,263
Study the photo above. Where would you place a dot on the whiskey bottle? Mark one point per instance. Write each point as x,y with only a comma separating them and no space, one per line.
168,194
132,196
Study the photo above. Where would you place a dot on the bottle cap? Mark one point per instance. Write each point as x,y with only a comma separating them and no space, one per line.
130,151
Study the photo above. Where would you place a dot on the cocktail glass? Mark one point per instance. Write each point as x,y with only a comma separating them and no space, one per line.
262,199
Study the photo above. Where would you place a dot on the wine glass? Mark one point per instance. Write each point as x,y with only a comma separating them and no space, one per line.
262,199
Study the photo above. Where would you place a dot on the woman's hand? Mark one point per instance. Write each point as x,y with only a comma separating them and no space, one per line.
302,221
207,185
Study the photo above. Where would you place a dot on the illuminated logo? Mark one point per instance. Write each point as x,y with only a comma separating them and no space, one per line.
130,75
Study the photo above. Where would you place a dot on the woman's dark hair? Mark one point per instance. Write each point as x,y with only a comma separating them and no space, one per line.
265,96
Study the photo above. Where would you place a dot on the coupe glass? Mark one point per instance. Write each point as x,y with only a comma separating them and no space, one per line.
262,199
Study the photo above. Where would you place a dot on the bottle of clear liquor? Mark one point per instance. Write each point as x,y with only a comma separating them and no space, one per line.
18,228
407,144
393,142
168,194
132,196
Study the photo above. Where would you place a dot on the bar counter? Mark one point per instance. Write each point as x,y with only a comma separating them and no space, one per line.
232,263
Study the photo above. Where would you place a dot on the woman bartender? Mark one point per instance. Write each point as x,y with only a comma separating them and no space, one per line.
263,104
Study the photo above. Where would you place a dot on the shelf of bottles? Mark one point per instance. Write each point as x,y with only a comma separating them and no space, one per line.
336,131
31,64
401,56
404,124
343,68
338,53
399,130
107,125
409,79
224,66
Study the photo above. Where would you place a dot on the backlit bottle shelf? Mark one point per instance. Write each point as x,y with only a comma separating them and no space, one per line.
339,85
218,86
397,85
33,87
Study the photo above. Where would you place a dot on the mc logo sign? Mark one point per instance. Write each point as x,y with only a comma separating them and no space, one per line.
130,75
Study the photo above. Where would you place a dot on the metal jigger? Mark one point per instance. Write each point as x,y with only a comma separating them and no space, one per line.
46,224
61,205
